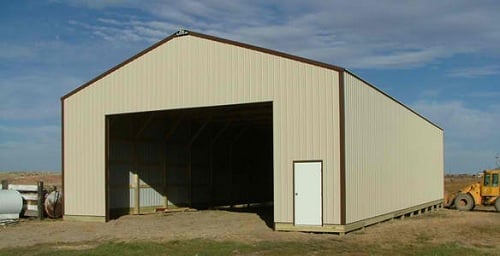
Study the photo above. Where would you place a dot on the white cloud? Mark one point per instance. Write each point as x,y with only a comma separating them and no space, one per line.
355,34
471,134
430,93
494,95
94,4
399,59
129,30
459,120
472,72
109,21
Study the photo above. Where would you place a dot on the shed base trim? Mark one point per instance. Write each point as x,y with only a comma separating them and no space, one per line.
342,229
85,218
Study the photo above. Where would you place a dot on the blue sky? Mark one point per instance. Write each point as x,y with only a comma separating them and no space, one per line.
442,58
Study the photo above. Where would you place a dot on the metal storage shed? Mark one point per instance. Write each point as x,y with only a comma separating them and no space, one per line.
201,121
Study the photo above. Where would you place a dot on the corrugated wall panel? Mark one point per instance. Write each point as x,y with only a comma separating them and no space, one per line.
394,158
88,178
150,197
193,72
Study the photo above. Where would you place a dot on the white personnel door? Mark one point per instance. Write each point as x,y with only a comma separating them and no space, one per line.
308,193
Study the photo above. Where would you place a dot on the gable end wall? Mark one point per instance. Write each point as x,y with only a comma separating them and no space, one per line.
190,71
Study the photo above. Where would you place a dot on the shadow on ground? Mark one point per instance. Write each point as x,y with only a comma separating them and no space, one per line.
265,213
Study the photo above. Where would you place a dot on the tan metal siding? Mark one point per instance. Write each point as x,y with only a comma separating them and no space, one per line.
394,158
84,140
193,72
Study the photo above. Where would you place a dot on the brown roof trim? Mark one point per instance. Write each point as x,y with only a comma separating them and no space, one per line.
268,51
208,37
392,98
99,77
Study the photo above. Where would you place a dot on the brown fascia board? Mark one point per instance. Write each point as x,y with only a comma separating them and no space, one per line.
268,51
239,44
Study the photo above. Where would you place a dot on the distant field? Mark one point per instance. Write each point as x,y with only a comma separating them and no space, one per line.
453,183
31,178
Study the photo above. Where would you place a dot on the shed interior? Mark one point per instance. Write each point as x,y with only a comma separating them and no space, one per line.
197,158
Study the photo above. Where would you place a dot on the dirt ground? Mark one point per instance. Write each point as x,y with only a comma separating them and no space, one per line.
475,229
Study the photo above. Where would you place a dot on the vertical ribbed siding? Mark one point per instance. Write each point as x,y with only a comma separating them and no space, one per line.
194,72
394,158
84,184
149,198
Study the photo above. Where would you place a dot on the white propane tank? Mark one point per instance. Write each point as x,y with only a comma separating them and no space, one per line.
11,204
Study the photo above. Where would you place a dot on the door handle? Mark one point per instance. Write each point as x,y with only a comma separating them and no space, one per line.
296,194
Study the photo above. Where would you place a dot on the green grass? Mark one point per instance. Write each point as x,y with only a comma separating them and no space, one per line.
208,247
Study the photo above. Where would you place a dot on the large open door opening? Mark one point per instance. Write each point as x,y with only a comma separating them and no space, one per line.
197,158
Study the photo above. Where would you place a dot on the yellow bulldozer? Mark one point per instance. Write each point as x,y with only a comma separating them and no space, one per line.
486,192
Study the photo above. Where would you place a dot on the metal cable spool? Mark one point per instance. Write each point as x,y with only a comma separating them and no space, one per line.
54,204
